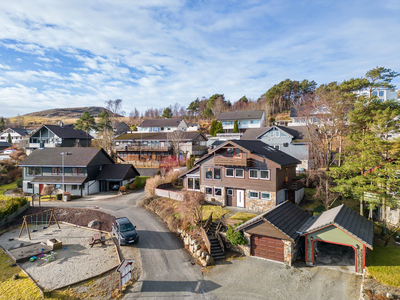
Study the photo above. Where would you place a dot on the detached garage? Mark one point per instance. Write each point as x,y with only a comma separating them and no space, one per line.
341,226
274,234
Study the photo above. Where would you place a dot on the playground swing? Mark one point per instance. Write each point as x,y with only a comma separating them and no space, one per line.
35,229
49,217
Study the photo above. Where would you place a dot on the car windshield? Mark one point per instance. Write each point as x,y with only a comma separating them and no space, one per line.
127,227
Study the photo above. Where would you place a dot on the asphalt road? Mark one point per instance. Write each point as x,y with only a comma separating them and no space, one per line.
167,269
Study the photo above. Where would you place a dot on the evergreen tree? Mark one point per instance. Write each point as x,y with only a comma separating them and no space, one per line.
235,127
167,113
86,122
216,127
207,113
9,138
105,131
194,107
2,124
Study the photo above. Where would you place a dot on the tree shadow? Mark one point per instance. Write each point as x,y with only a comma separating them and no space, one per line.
158,240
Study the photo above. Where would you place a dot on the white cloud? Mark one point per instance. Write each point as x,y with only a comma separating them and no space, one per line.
4,67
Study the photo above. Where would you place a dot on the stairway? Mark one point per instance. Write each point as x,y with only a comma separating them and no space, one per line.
216,250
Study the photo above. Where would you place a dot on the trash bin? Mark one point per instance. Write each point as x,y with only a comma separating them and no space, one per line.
66,196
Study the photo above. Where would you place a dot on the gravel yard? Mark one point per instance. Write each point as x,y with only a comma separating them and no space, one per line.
77,262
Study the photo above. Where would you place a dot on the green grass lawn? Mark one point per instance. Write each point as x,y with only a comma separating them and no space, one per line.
383,263
244,217
217,211
9,186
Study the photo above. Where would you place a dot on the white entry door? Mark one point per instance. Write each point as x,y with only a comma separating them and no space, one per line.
240,198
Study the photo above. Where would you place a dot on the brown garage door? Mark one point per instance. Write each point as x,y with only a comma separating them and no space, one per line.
267,247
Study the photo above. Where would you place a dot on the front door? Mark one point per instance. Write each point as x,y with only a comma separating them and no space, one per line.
40,188
231,200
240,198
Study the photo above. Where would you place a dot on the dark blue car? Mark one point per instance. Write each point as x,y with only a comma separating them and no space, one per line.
124,230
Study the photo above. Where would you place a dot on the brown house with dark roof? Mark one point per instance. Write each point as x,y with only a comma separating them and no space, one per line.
154,146
247,174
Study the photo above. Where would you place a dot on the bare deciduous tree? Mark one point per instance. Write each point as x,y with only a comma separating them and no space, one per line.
175,138
190,207
115,108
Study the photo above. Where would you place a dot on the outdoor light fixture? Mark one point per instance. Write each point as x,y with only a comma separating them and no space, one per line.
357,246
311,238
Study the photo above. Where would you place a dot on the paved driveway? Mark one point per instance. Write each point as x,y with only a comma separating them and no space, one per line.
167,269
252,278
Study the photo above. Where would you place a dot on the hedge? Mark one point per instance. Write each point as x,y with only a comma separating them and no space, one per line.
11,205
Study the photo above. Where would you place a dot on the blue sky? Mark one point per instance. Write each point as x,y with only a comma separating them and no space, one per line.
56,54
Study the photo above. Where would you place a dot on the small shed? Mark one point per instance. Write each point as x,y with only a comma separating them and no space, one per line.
119,174
274,234
342,226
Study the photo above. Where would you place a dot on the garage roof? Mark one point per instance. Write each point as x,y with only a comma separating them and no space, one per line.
117,172
346,219
286,217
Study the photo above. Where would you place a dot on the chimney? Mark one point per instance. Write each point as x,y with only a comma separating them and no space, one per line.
60,123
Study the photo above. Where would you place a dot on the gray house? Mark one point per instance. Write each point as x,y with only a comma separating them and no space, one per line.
50,136
288,140
77,170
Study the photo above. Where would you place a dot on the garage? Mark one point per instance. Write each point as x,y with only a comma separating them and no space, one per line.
274,235
338,226
267,247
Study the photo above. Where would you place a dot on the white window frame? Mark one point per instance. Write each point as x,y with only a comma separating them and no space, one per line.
220,173
217,188
227,193
205,173
209,187
269,175
239,176
250,173
262,198
226,172
258,195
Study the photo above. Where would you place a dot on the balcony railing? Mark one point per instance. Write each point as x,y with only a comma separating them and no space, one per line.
230,161
294,185
143,148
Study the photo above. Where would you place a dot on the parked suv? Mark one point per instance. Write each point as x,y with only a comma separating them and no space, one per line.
126,233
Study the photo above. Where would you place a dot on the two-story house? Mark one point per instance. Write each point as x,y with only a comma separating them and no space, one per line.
154,146
382,93
51,136
77,170
247,174
290,140
162,125
16,134
318,116
245,119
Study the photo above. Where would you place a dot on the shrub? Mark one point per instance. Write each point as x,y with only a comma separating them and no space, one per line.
127,186
132,186
11,205
236,238
73,197
152,183
140,181
59,196
122,189
19,182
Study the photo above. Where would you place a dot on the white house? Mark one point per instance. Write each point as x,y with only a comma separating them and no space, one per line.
163,125
16,134
382,93
245,119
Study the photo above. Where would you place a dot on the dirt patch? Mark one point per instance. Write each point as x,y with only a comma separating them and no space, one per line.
77,216
374,290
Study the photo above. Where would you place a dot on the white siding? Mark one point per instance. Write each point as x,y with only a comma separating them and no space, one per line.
280,196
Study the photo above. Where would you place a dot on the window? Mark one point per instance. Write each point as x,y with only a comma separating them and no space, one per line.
276,147
245,122
277,133
56,171
30,185
229,172
74,187
37,171
218,192
190,183
229,192
209,190
255,121
238,153
253,174
208,173
197,183
253,194
81,171
381,93
239,173
265,195
74,171
374,93
229,152
29,171
217,173
264,174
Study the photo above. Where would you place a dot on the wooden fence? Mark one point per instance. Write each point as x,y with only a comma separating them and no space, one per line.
14,214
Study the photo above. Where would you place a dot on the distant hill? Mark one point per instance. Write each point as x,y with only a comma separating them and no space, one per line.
70,113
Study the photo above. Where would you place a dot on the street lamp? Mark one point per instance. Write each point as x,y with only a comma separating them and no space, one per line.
63,181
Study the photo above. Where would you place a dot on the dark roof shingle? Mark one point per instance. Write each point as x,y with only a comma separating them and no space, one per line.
286,217
155,136
116,172
67,132
172,122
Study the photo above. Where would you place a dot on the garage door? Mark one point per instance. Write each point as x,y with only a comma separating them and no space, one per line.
267,247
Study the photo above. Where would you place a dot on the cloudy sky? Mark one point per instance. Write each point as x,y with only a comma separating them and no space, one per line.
70,53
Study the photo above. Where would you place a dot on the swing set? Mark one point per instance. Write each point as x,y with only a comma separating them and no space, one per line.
35,220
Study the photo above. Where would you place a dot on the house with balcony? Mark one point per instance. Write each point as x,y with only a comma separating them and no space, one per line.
162,125
245,119
291,140
154,146
16,134
246,173
382,93
79,171
51,136
317,116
